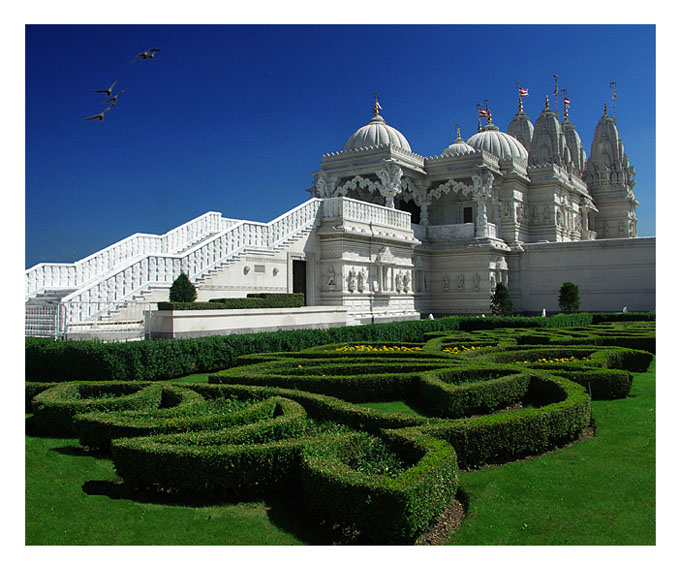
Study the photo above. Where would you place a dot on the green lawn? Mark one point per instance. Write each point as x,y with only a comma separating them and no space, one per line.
597,492
601,491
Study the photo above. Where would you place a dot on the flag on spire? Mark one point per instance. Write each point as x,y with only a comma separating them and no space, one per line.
567,101
483,113
524,92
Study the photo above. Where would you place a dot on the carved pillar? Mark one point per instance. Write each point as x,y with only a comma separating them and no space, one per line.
390,181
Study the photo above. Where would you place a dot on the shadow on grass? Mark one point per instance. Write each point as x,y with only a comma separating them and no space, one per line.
285,510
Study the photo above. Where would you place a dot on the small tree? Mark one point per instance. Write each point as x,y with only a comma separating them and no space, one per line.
182,290
501,303
569,300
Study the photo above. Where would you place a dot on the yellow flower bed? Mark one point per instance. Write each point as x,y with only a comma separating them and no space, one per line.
455,350
373,349
571,359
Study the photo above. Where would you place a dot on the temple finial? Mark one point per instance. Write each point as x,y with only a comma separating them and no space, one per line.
376,106
605,108
547,102
458,131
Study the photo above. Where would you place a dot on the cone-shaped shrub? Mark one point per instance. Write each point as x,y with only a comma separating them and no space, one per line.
182,290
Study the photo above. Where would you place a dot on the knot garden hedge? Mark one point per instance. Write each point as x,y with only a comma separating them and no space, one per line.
292,420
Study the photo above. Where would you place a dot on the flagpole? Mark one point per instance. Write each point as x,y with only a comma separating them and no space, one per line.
564,103
556,92
521,107
612,85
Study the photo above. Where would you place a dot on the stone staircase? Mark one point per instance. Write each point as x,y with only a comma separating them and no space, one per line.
42,313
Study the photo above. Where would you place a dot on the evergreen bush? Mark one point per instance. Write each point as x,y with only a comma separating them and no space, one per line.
182,290
501,303
569,299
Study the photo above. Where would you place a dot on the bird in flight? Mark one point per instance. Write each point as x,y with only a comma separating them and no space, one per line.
99,116
148,54
109,90
114,99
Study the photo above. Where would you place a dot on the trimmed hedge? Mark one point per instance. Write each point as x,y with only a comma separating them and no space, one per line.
48,360
509,435
490,390
252,458
264,300
389,510
54,409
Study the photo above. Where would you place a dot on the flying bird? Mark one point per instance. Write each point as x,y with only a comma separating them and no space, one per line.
114,99
99,116
110,89
148,54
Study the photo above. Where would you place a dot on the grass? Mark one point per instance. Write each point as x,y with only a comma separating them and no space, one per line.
597,492
73,498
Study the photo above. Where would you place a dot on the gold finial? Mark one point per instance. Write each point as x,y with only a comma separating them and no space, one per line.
376,106
547,102
605,108
488,114
479,115
457,131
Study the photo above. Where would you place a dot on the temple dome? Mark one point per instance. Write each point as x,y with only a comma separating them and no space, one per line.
458,148
376,132
498,143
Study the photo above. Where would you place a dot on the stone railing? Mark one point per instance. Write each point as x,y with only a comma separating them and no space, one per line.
72,275
351,209
161,269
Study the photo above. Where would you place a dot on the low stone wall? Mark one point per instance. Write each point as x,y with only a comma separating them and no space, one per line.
198,323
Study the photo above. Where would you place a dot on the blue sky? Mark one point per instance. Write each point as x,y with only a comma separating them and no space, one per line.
235,118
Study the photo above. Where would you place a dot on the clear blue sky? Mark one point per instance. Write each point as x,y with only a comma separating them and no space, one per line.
236,118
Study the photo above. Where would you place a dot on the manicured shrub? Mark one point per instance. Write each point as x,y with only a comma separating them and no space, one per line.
569,300
182,290
54,409
389,509
249,459
501,303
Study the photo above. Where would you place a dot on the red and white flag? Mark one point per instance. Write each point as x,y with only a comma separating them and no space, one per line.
567,101
613,94
524,92
483,113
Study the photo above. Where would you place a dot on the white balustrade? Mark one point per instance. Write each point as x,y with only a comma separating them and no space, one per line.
366,212
72,275
137,273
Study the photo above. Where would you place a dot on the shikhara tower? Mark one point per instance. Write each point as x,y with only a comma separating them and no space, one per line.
389,234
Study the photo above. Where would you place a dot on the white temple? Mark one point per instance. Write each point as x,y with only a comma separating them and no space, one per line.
389,234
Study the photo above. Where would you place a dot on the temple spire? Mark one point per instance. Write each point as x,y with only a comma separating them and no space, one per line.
556,93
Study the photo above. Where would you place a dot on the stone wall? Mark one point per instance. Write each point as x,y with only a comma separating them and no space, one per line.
610,274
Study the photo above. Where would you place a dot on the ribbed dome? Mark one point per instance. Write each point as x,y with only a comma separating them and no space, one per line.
458,148
498,143
376,132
